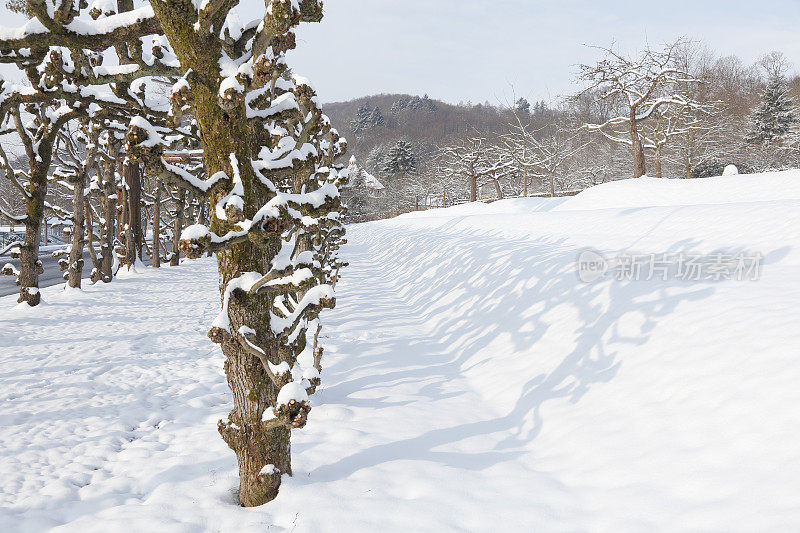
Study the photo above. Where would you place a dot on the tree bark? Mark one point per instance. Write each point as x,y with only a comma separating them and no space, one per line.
134,239
639,165
157,226
524,182
29,265
75,269
106,273
498,189
658,162
473,188
178,224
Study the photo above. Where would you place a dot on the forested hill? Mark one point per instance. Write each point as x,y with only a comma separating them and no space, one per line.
372,124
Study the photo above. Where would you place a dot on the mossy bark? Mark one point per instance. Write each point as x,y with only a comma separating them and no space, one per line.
75,270
105,270
132,214
157,226
226,131
178,224
29,265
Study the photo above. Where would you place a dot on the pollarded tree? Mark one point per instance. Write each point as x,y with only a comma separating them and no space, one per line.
635,89
67,61
268,154
270,178
38,138
75,159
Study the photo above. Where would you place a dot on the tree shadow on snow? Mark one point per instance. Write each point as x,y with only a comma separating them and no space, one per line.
485,287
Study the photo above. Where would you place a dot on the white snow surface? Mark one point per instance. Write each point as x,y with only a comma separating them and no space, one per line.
471,382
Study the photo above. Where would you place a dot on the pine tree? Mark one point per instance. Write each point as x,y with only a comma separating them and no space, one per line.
363,118
376,118
400,159
367,118
775,117
355,194
400,104
523,106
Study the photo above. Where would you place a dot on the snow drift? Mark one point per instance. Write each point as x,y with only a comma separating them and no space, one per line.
473,382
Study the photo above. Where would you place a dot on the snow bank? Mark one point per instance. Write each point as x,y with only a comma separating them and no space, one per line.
471,382
645,191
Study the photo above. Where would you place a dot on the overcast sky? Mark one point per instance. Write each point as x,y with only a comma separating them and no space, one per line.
475,50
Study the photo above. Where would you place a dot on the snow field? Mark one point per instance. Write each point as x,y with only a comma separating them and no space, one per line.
471,381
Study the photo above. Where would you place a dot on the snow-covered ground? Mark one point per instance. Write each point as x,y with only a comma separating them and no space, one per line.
472,382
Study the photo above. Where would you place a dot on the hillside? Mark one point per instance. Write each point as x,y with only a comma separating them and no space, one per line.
472,381
424,122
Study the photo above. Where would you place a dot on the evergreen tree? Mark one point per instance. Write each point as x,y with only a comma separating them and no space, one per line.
363,118
775,117
355,194
400,159
400,104
367,118
376,118
523,106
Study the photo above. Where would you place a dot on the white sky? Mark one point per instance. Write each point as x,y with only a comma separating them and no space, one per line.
476,50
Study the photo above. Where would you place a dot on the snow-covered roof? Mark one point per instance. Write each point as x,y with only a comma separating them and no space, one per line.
372,182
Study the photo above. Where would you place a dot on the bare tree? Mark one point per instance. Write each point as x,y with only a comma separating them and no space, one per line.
477,162
636,88
544,151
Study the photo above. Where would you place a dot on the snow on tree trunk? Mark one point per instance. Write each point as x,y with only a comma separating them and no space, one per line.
157,226
639,164
134,239
658,162
109,210
178,227
268,156
75,269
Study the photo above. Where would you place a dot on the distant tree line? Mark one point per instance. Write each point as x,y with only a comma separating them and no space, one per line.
675,111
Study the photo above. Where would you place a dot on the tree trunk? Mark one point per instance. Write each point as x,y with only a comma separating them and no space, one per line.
75,270
658,162
133,207
473,188
498,189
105,272
225,133
157,226
177,227
29,265
226,137
524,182
639,165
